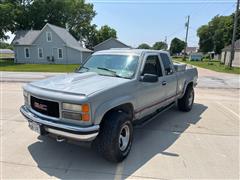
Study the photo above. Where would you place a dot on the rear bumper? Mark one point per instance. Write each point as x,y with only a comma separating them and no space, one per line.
62,129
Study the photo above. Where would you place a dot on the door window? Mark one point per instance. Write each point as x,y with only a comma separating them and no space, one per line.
152,66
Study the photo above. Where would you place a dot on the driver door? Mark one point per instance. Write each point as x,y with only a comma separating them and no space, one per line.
149,95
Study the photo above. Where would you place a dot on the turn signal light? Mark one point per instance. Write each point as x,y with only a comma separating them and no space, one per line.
85,108
85,117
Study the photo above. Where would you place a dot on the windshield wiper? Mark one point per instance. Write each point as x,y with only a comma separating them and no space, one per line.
113,72
84,67
106,69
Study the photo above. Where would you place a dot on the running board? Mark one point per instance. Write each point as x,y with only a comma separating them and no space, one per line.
142,122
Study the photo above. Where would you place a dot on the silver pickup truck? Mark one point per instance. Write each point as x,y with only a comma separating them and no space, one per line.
109,94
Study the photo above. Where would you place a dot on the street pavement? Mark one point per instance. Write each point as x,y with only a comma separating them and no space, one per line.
203,143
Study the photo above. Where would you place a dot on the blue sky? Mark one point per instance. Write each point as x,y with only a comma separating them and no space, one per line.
138,21
149,21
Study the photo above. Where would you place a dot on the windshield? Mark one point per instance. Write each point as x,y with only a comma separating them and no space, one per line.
123,66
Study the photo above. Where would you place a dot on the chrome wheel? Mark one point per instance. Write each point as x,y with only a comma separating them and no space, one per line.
124,137
190,99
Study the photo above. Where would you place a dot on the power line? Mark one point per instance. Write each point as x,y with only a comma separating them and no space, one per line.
162,1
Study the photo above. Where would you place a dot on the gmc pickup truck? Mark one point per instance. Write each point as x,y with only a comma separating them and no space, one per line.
109,94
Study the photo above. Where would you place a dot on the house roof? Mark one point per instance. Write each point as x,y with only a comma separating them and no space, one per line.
68,38
111,39
237,46
25,37
191,49
28,37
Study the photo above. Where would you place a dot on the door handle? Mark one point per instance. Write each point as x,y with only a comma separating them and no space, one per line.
164,83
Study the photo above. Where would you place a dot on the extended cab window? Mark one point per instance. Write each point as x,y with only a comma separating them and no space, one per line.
166,64
152,66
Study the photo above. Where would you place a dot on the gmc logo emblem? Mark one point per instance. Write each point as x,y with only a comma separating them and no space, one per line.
40,106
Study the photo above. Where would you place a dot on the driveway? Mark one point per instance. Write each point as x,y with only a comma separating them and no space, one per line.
203,143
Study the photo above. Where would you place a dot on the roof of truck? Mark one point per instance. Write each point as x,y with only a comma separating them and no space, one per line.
128,51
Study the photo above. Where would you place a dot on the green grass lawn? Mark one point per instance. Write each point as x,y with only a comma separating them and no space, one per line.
9,65
212,65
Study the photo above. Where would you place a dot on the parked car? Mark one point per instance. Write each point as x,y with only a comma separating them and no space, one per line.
109,94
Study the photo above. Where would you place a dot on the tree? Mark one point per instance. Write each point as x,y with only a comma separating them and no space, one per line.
144,46
160,45
105,32
75,15
217,34
4,45
205,39
176,46
6,19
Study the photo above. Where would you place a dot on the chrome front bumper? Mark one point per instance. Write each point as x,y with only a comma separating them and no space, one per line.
60,128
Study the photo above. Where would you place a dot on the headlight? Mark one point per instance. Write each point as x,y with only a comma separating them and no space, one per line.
76,111
72,107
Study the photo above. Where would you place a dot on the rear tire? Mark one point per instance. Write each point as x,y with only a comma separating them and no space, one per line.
186,102
115,137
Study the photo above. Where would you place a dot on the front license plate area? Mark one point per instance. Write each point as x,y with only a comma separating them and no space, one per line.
35,127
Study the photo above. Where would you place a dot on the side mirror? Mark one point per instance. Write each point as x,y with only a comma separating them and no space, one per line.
149,78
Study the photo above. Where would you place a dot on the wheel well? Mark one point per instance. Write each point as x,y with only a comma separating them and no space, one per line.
127,108
190,85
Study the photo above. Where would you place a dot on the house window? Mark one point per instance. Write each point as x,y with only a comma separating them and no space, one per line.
40,53
26,52
60,53
49,36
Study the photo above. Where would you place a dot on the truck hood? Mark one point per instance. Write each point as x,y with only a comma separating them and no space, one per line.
79,83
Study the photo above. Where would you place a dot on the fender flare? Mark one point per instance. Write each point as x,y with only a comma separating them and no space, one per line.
106,106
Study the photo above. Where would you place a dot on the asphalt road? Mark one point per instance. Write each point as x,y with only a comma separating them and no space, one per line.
203,143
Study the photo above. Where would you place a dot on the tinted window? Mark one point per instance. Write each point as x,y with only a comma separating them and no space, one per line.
166,64
152,66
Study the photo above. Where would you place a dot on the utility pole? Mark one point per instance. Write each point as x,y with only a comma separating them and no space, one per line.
234,35
185,47
165,42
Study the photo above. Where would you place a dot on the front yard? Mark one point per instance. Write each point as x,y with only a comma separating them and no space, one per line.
9,65
212,65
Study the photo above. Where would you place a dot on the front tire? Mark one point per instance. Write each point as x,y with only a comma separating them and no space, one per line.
115,137
186,102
